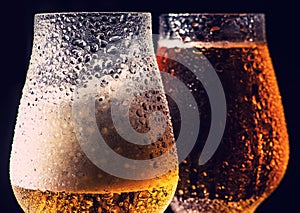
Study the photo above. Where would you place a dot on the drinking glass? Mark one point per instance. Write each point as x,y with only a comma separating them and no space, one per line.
93,131
238,171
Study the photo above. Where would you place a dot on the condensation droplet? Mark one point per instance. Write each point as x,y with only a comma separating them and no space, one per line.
103,43
94,47
79,42
112,50
114,38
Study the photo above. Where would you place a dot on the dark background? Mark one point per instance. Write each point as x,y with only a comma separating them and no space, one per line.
282,23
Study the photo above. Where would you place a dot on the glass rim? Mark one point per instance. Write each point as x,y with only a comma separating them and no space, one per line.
252,30
41,14
210,14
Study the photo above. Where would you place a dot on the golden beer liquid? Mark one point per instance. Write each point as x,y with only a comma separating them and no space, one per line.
152,199
252,157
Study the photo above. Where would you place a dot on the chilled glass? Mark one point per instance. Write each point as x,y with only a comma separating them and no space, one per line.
253,153
83,69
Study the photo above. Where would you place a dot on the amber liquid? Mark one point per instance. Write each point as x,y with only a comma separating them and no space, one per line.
252,157
154,199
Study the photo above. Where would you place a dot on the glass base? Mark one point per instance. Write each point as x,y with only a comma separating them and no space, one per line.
196,205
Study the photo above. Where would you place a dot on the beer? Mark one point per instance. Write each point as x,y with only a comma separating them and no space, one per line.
59,162
65,180
59,177
253,154
149,200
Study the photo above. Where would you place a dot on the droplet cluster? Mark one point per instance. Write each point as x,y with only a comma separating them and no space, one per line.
208,27
252,156
71,51
64,44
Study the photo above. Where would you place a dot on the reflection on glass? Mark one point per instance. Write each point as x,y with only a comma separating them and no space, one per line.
252,157
73,52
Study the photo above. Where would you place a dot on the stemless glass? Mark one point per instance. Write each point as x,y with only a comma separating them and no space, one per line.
253,153
92,75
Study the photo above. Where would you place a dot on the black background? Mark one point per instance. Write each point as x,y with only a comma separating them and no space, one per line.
282,24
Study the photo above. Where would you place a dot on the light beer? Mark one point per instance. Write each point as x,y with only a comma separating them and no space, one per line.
50,171
65,180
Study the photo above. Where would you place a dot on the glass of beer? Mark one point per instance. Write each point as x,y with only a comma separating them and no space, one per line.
93,131
251,157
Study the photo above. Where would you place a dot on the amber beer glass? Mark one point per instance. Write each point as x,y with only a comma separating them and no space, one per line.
82,66
253,153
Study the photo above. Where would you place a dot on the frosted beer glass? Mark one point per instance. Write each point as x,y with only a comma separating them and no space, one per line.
253,154
81,65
